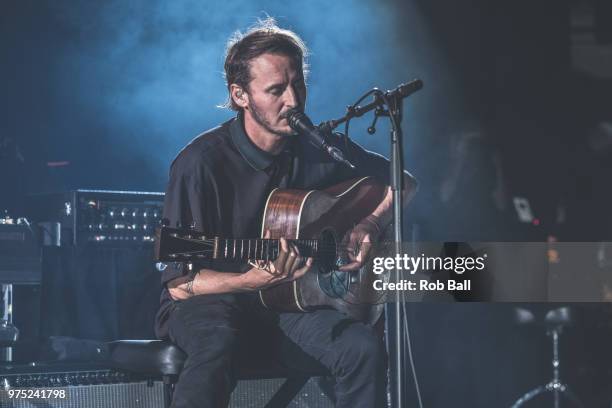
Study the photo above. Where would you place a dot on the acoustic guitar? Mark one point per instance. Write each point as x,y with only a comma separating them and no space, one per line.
315,221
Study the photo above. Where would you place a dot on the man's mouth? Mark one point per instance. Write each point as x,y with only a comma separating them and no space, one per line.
285,115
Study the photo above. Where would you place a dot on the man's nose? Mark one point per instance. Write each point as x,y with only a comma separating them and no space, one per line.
291,97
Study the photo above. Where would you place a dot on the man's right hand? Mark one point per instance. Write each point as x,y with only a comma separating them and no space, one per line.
288,266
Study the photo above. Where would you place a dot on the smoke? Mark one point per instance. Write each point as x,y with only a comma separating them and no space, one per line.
118,88
147,75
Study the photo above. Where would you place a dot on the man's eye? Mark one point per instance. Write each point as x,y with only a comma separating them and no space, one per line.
276,92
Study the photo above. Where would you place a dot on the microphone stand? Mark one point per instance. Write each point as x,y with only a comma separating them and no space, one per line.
394,322
397,185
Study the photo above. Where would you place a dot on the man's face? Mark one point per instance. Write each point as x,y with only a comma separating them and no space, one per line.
275,88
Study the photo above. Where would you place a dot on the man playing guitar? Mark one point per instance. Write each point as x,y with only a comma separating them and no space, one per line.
219,184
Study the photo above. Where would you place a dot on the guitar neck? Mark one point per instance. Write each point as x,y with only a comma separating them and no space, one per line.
260,249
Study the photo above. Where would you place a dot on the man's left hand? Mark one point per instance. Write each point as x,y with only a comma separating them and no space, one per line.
359,242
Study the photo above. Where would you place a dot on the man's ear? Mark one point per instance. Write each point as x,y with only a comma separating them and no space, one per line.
239,96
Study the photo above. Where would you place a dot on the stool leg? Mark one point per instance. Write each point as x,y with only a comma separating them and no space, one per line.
555,365
168,390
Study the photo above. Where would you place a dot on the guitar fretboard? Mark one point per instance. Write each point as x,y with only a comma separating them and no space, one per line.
261,249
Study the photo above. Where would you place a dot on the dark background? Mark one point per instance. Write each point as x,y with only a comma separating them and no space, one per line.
516,98
516,103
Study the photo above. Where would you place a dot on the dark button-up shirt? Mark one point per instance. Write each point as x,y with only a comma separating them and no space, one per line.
221,180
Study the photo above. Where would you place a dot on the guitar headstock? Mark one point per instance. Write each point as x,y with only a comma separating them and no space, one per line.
181,245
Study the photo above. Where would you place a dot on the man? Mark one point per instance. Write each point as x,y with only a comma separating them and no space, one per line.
220,183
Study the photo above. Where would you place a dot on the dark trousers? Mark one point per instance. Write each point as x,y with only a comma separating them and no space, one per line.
219,331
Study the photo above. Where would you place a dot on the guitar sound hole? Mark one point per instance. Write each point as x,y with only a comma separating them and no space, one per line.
332,282
327,250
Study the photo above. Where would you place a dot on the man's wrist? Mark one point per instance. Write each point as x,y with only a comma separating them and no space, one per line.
243,282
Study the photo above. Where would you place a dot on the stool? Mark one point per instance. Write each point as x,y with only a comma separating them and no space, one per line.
9,334
159,358
554,321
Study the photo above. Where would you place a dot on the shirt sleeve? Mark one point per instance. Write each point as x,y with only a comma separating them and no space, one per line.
185,204
367,163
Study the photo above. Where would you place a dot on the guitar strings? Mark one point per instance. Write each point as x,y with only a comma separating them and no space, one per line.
329,248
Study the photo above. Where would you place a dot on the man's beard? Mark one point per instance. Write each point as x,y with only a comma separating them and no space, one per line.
261,121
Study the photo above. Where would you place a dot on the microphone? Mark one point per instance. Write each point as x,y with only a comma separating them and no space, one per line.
299,122
407,89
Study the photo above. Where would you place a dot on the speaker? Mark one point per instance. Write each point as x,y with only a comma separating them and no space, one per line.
82,385
76,387
99,293
257,393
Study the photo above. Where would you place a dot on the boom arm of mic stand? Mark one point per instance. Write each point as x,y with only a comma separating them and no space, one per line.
401,92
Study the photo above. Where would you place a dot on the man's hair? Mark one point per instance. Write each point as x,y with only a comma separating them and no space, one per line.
264,37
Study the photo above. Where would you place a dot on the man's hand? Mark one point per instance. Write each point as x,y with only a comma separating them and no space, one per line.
358,242
287,267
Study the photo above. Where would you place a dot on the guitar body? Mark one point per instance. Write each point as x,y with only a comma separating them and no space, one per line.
326,215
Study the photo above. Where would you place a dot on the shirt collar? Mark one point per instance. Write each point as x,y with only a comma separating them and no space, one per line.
257,158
